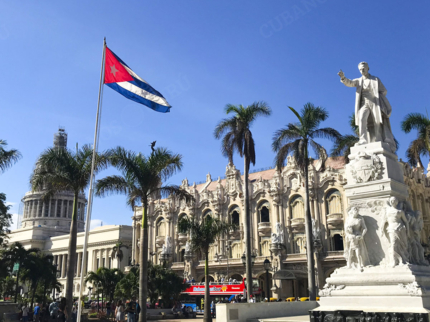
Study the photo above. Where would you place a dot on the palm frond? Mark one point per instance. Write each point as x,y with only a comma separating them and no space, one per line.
415,121
8,158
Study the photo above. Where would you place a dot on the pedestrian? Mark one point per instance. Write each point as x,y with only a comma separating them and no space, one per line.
108,310
53,309
36,313
137,310
119,312
74,312
25,313
62,310
131,310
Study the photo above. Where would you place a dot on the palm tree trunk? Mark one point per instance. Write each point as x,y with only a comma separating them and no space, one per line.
207,314
33,294
247,218
71,259
143,272
17,281
309,239
45,286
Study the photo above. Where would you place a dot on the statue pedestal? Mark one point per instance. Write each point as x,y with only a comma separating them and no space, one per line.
378,290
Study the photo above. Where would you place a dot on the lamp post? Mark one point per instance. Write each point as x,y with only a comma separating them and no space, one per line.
253,256
267,268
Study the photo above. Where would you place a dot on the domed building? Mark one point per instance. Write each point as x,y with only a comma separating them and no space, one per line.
46,225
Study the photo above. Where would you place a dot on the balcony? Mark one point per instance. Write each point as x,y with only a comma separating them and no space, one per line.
335,221
298,224
182,238
264,229
234,234
159,240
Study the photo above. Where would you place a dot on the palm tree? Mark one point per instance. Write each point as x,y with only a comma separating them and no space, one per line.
17,254
61,169
296,139
36,266
343,145
421,145
202,235
142,178
5,220
128,286
7,158
237,137
117,253
105,280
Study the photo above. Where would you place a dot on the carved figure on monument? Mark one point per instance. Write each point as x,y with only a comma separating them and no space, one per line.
355,229
395,226
366,167
274,238
187,247
280,233
167,246
372,109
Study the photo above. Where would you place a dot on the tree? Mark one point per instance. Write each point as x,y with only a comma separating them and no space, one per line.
17,254
202,235
7,158
128,286
344,143
141,178
60,169
421,145
296,139
36,267
117,253
5,220
105,280
237,137
7,286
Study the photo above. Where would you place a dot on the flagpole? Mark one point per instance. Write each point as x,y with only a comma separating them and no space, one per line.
90,192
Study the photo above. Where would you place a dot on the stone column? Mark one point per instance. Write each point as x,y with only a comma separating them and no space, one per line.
133,242
78,265
63,265
43,208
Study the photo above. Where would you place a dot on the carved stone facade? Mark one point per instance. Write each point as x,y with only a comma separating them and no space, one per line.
278,224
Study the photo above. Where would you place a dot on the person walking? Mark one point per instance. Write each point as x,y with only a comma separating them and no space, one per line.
25,313
119,312
36,314
131,310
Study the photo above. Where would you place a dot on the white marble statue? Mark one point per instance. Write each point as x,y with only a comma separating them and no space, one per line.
355,229
280,233
274,238
372,109
187,247
395,226
167,247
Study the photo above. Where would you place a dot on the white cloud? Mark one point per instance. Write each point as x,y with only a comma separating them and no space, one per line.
8,203
96,223
14,221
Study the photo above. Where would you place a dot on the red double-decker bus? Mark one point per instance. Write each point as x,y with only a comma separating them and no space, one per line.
224,291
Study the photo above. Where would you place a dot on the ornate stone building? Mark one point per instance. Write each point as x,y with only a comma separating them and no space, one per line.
278,224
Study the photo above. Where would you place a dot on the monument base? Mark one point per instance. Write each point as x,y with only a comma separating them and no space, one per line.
403,290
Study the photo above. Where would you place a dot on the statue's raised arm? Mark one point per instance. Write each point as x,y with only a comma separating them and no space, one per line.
372,109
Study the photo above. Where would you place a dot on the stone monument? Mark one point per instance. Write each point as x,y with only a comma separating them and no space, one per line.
386,277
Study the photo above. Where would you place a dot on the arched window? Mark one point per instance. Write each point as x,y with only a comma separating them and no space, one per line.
234,216
263,211
237,277
337,242
236,250
207,215
181,216
182,255
161,227
297,207
299,244
333,202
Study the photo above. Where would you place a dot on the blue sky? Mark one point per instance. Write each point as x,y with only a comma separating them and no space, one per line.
201,55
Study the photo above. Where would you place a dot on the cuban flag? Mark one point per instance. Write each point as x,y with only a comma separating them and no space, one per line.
122,79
